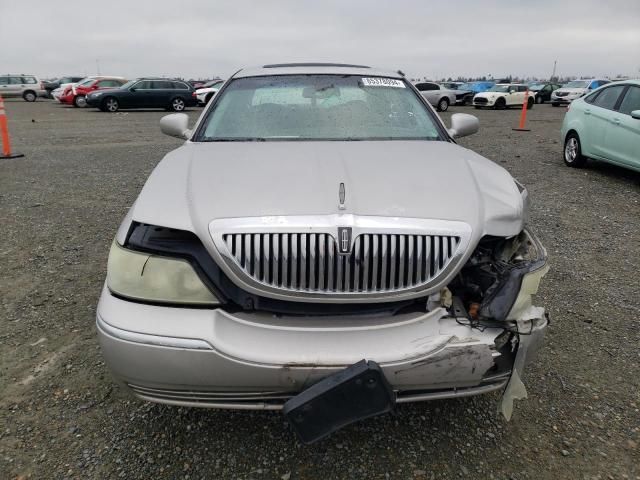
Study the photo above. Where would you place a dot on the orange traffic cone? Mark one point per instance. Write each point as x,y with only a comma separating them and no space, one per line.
4,133
523,114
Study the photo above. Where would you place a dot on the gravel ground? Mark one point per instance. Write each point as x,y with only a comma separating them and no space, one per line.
61,416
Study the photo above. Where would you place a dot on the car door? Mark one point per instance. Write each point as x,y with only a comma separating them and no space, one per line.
140,95
599,113
15,86
4,86
512,96
622,138
431,92
164,92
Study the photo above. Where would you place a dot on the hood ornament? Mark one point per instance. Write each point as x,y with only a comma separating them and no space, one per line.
341,196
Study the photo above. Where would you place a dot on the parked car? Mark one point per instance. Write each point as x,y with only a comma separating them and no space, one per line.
437,95
278,250
164,93
208,90
61,82
604,125
575,89
76,94
542,90
503,95
20,85
466,91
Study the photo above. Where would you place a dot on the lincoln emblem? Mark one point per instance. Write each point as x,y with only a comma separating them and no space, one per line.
344,240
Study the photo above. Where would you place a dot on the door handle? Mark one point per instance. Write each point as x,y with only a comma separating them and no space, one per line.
616,121
587,112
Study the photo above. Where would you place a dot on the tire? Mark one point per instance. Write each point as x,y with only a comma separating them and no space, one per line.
539,99
477,107
443,104
29,96
572,151
110,104
500,104
177,104
80,101
555,104
530,103
467,100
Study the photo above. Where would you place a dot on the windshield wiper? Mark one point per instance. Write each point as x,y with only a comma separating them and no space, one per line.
234,139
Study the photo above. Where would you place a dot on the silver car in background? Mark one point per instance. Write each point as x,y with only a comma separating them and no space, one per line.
437,95
320,244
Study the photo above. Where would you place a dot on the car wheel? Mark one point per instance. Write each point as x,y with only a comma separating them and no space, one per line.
177,104
443,104
110,104
573,151
80,101
539,99
530,103
29,96
500,104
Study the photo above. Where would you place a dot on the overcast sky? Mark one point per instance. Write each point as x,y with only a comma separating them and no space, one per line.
203,38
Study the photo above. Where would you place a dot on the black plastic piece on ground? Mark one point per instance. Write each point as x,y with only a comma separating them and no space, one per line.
11,155
355,393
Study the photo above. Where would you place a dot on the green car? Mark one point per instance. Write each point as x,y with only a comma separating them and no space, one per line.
604,125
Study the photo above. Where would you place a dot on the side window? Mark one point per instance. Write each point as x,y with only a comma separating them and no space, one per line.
29,80
631,101
4,80
609,97
522,88
15,80
431,86
592,96
161,85
104,83
142,85
421,87
179,86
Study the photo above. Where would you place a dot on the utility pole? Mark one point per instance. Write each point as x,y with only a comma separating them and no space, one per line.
553,75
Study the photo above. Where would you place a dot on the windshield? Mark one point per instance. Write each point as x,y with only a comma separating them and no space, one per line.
318,107
536,86
129,84
499,88
86,81
212,83
577,84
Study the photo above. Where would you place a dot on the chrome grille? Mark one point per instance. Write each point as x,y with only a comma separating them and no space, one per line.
310,262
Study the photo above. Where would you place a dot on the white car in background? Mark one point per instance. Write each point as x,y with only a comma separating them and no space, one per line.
504,95
437,95
207,91
575,89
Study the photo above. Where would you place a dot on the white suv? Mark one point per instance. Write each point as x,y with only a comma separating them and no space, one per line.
21,85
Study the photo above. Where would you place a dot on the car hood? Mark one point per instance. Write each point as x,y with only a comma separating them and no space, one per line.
201,182
571,90
200,91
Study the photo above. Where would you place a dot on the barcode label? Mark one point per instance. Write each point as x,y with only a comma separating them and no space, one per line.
383,82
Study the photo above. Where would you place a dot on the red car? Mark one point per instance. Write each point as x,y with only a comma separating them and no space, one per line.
75,94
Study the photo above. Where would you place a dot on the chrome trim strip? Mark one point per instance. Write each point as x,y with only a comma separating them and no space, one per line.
297,227
257,405
148,339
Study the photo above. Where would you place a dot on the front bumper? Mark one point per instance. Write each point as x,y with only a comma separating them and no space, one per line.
490,102
212,358
562,100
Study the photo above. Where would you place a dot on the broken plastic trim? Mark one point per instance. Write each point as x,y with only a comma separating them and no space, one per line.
502,296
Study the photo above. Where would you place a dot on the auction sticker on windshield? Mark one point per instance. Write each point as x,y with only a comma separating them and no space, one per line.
382,82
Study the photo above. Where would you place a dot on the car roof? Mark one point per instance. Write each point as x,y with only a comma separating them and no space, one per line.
316,68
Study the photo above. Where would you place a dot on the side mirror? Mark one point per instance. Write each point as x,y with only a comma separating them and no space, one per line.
176,125
635,114
463,124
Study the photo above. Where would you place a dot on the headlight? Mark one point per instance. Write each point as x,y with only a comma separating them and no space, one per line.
153,278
